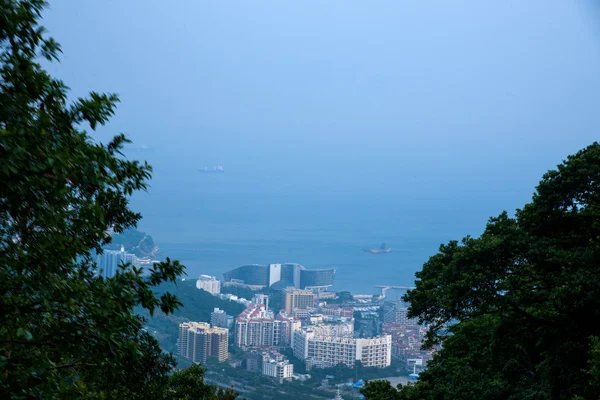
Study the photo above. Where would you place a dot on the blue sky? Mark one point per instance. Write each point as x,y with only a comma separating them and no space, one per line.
466,99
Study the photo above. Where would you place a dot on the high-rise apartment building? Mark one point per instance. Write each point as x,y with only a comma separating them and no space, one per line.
220,319
219,343
256,326
327,351
284,327
297,299
209,283
108,262
198,341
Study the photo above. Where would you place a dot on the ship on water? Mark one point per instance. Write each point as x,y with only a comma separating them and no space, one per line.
382,249
215,169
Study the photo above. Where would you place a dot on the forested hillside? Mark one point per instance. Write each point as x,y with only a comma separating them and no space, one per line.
516,309
197,306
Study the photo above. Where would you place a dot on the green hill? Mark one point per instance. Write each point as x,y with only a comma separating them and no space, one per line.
134,241
197,306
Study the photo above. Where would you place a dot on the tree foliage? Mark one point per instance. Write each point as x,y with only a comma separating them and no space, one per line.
516,309
188,384
64,331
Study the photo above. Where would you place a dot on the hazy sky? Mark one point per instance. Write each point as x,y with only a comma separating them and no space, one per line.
457,98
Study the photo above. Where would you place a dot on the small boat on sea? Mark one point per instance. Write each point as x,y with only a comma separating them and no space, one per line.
382,249
215,169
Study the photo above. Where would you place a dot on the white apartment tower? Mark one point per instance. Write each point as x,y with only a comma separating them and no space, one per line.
209,283
256,326
278,369
108,262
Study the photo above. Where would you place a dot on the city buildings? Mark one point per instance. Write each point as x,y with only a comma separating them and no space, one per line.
220,319
396,312
253,361
279,276
269,363
209,283
336,310
283,329
108,262
198,341
331,326
297,299
325,295
278,369
302,313
232,297
407,341
257,326
320,351
407,335
317,279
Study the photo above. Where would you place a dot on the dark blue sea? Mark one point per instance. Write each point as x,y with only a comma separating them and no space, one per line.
215,222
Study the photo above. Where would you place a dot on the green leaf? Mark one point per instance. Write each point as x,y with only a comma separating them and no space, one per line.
24,333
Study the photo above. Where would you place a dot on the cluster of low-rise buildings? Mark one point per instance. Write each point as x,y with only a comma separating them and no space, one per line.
407,335
269,363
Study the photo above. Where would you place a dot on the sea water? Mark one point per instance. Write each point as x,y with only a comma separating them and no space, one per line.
213,223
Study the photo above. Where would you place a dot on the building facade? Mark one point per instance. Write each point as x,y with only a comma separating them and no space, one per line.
253,361
220,319
407,341
268,363
209,283
396,312
336,311
328,351
318,279
280,276
108,262
344,327
278,369
297,299
198,341
256,326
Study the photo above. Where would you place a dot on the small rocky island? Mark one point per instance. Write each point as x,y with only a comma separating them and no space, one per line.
134,242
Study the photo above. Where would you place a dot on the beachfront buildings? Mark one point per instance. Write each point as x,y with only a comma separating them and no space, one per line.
280,276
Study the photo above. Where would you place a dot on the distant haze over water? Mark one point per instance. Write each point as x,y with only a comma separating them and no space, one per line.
340,125
216,223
